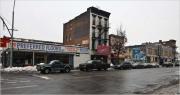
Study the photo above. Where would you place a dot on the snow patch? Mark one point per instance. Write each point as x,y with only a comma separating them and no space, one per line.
19,69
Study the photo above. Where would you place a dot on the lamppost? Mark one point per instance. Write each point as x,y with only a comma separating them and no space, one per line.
11,33
11,56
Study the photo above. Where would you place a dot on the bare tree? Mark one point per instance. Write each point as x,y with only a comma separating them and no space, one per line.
119,41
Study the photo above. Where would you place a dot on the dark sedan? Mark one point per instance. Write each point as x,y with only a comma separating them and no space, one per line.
124,65
94,64
138,65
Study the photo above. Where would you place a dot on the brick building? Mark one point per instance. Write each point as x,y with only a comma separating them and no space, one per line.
117,43
89,29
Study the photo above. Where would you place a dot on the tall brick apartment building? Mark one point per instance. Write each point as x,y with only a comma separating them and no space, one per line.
89,29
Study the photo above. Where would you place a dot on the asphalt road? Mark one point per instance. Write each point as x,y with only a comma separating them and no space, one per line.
95,82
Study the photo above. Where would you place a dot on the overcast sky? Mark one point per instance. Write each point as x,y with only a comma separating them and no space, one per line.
143,20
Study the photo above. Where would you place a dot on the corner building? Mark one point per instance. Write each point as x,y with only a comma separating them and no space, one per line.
90,29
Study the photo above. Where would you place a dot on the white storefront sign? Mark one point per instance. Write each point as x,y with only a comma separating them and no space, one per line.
43,47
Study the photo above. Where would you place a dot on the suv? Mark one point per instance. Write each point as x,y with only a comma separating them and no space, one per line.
93,64
53,66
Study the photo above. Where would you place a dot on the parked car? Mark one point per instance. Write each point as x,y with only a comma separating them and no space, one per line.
155,65
53,66
167,64
94,64
124,65
148,65
177,63
138,65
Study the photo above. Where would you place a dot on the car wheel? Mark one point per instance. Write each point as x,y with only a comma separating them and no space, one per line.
67,70
46,71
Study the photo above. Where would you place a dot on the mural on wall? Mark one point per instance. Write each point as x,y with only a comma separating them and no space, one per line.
138,54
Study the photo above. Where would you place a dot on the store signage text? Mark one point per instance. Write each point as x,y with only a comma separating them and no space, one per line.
43,47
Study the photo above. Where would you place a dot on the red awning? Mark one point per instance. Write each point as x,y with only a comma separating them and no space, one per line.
103,50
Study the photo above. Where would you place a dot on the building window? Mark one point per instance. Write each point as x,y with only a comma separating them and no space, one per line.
93,44
94,19
99,41
105,41
70,37
105,22
105,35
93,32
100,20
66,38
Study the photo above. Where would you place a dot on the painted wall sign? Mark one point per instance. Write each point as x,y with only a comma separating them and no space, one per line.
138,54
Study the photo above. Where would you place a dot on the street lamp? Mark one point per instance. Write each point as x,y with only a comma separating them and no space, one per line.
11,56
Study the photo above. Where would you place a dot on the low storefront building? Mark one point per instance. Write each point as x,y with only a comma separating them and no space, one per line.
31,52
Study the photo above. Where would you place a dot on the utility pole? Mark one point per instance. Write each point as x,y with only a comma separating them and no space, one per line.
11,56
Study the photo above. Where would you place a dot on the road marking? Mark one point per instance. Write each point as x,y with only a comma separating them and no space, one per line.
19,87
43,77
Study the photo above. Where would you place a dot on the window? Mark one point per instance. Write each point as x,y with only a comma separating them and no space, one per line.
93,32
70,37
105,22
66,37
99,41
94,19
105,35
99,37
93,44
100,20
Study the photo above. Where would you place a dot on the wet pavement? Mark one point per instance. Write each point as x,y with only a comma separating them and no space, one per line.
96,82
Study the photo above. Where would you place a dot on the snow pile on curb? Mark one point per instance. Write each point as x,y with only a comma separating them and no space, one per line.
19,69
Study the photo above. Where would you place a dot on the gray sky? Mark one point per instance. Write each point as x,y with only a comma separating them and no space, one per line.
143,20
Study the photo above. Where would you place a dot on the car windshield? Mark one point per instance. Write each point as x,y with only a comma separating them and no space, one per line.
51,62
